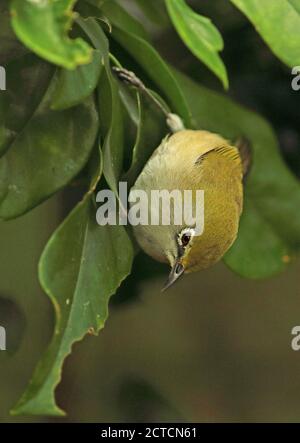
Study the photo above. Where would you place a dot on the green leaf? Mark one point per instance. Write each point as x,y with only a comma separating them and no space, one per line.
49,150
120,17
43,25
155,11
81,267
73,87
151,129
295,4
111,118
200,36
278,22
149,59
4,179
269,235
28,81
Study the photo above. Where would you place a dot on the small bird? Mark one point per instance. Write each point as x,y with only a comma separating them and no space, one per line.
194,160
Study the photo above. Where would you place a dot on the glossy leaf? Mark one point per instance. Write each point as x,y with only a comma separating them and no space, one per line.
151,129
43,25
81,267
278,23
111,119
19,102
119,17
200,36
48,151
149,59
269,234
73,87
154,10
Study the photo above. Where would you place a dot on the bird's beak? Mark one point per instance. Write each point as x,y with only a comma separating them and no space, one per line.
175,273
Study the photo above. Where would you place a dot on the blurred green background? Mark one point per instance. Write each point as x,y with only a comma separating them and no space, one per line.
213,348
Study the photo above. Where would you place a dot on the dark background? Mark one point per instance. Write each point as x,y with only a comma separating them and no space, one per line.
215,347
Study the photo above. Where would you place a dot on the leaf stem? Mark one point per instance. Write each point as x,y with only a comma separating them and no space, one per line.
173,120
115,61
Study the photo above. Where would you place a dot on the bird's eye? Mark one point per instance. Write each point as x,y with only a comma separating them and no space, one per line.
185,239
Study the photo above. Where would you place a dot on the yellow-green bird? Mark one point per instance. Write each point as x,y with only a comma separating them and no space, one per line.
194,160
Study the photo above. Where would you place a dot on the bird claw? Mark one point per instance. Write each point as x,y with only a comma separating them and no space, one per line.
128,77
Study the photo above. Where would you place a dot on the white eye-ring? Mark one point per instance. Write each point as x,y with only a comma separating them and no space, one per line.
186,236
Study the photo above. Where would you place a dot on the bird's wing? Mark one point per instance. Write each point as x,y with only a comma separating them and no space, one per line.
245,150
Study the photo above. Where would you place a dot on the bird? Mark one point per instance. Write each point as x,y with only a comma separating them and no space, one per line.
191,159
